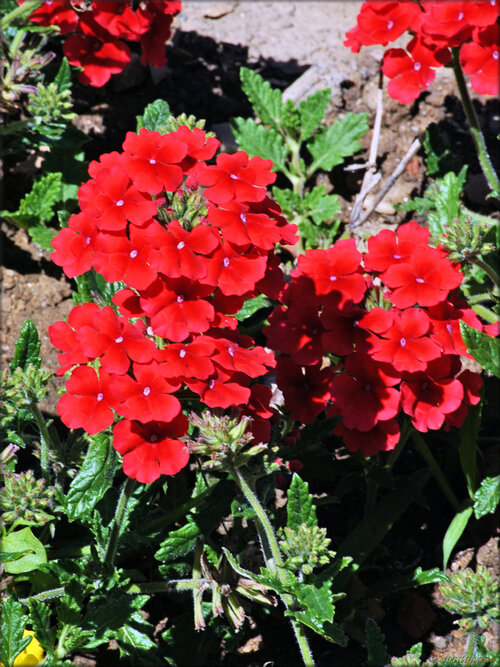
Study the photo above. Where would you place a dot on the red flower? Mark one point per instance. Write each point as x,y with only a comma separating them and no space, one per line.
187,360
199,147
411,71
384,22
342,333
382,438
56,12
306,390
425,278
63,336
233,272
219,391
335,269
236,177
405,344
152,160
119,19
148,397
451,23
233,358
75,244
480,59
99,61
388,248
428,397
365,393
160,16
445,326
89,401
241,227
152,449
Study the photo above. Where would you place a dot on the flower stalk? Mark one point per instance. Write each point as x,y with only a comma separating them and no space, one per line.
127,491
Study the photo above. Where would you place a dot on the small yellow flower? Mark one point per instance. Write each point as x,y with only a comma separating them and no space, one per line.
32,655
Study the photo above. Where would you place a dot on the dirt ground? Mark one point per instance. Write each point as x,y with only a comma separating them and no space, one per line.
282,40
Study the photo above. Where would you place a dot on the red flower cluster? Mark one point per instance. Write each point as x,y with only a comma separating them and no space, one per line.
389,319
173,327
436,27
98,32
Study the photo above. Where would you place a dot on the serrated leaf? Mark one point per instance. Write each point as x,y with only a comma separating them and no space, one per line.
261,141
107,614
342,139
63,76
454,533
27,348
320,206
40,621
155,117
329,630
251,306
419,205
312,111
487,497
317,600
178,543
37,206
438,158
290,117
93,480
23,540
375,645
12,624
266,101
485,349
446,198
300,508
42,235
289,201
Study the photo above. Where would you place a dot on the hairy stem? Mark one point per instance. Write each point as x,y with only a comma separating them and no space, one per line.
127,491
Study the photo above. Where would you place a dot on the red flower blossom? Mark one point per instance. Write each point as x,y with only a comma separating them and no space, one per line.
388,248
233,272
75,244
63,336
405,344
56,12
425,278
89,401
241,227
187,360
445,326
199,147
222,390
99,60
152,160
342,333
306,390
381,438
381,23
480,59
152,449
236,177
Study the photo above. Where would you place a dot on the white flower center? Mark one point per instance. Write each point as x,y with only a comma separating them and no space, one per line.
231,351
88,240
419,280
211,384
99,397
495,55
180,245
417,66
460,16
182,353
150,331
235,178
133,254
226,262
152,161
146,391
119,339
397,256
402,342
333,278
243,218
120,202
390,25
180,298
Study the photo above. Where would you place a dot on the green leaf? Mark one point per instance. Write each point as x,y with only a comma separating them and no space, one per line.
40,620
252,306
259,140
23,540
317,599
155,117
93,480
329,630
289,201
27,348
454,532
312,111
445,194
320,206
37,206
12,624
419,205
467,448
178,543
375,645
42,235
63,76
300,508
266,101
485,349
342,139
438,158
487,497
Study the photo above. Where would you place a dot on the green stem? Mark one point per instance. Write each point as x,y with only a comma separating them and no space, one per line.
485,313
171,586
46,595
16,43
471,645
477,135
45,439
428,456
127,491
396,452
275,564
489,270
19,12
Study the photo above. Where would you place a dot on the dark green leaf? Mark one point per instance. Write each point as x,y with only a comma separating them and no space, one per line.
485,349
342,139
42,235
40,620
93,480
155,117
312,111
300,508
37,206
438,158
467,448
27,348
419,205
454,533
329,630
63,76
375,645
317,600
266,101
12,624
23,540
259,140
251,306
178,543
487,497
446,194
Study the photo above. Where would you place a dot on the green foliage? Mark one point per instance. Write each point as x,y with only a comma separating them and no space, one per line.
375,645
39,613
487,497
454,532
438,157
484,348
23,541
91,286
155,118
473,596
300,508
27,352
412,658
24,500
94,478
299,143
12,623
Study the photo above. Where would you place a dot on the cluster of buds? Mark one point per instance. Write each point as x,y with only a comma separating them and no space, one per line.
473,596
466,239
50,109
223,440
306,548
25,500
21,388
